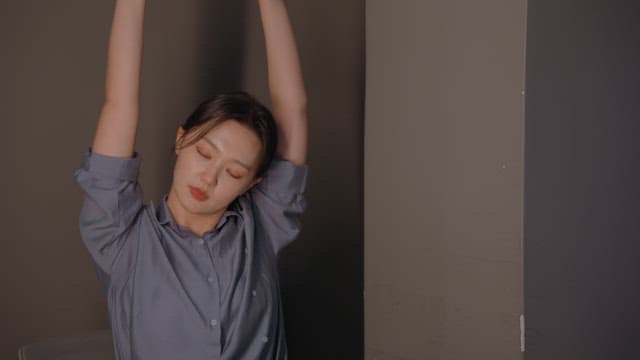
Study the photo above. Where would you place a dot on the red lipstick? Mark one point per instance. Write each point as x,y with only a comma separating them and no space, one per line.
198,194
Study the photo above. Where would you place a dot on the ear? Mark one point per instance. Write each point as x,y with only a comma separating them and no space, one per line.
179,134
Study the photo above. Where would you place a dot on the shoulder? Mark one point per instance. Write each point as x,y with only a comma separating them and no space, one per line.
110,167
283,179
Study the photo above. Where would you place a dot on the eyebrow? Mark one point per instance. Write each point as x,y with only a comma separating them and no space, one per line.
217,148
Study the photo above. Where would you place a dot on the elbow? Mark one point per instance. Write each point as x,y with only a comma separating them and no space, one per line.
293,102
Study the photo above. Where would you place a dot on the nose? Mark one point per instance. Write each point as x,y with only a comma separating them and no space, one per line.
210,174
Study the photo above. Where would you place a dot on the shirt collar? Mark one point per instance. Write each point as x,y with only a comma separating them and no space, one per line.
164,215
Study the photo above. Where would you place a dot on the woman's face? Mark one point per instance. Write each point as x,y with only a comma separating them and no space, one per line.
210,173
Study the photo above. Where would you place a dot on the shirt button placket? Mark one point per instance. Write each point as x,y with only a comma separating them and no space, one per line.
213,323
215,329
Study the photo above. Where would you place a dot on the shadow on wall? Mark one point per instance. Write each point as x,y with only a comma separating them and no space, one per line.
206,57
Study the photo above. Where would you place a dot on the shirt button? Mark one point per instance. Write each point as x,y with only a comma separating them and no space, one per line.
253,293
210,279
213,322
200,241
265,339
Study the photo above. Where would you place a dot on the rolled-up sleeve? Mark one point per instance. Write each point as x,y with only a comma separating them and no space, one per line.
279,201
112,200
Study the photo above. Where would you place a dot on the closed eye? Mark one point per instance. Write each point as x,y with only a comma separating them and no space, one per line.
204,155
209,157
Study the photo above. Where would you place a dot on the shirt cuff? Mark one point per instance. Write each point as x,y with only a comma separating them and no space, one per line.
284,177
114,167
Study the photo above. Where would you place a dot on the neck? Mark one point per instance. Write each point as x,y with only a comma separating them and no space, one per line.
196,223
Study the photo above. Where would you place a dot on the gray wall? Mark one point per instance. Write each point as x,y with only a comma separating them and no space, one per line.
444,179
582,196
53,62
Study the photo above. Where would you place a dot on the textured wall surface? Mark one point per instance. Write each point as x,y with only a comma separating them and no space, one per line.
444,120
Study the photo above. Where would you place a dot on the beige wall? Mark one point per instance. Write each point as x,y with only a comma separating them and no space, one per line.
444,179
53,63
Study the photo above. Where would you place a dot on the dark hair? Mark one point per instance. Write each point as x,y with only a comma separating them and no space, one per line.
235,105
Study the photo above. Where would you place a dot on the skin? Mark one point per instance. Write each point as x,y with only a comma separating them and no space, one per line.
213,171
286,85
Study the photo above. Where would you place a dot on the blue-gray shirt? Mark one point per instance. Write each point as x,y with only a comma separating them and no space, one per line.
174,295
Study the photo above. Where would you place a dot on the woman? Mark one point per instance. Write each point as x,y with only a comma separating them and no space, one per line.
196,276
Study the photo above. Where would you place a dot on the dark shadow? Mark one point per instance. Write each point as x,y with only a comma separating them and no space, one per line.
217,53
581,181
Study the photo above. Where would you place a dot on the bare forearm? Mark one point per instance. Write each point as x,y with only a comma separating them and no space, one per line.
118,122
286,84
125,52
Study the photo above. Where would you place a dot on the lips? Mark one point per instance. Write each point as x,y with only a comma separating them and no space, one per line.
198,194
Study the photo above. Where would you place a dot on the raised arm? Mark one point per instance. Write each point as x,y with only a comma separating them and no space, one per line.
118,122
286,86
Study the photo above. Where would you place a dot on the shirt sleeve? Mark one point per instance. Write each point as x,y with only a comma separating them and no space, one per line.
112,199
279,201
